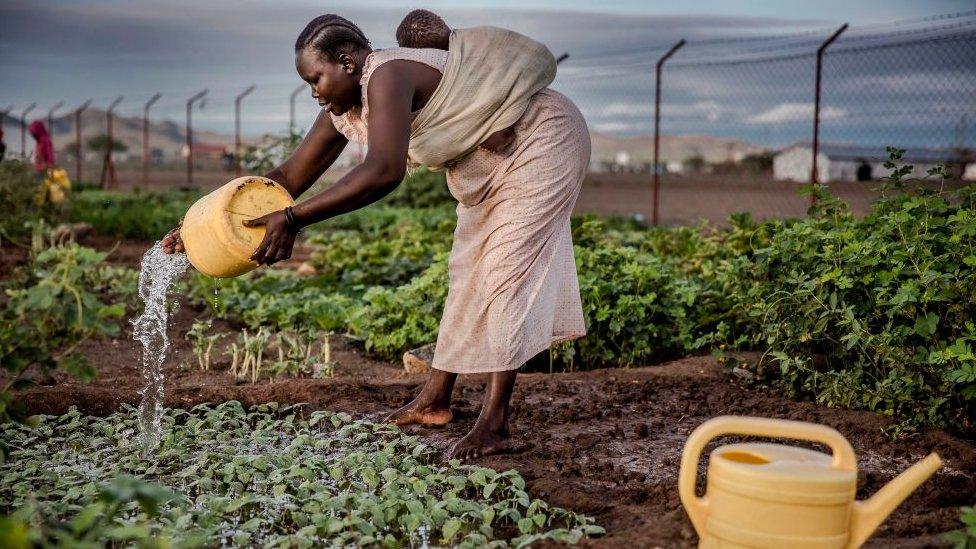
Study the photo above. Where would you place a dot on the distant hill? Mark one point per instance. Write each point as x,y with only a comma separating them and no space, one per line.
165,135
674,148
169,137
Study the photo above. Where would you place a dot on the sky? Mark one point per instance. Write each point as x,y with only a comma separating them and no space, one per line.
58,50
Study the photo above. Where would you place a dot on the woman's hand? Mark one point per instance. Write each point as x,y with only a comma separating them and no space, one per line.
278,238
172,243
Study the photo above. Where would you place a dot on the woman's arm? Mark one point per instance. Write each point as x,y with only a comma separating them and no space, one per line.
317,151
391,90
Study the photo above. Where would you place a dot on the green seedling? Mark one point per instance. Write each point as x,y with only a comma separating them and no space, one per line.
325,367
202,343
253,346
269,476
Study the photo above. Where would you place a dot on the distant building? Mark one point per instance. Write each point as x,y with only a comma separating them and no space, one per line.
675,166
970,172
838,162
205,150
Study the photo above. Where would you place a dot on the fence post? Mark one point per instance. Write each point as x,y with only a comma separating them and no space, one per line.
816,110
78,146
291,109
23,130
657,124
237,129
50,117
107,180
145,137
3,115
189,135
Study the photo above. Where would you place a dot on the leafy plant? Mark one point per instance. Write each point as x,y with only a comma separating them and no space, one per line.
393,320
964,538
18,188
273,476
422,188
387,247
94,523
137,215
48,311
872,313
278,298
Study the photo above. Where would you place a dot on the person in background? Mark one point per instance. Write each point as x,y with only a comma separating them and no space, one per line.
44,148
3,146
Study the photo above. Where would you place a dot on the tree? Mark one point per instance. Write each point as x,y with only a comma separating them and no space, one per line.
694,163
100,143
761,163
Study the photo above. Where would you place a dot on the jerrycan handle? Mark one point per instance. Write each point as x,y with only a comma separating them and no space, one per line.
697,507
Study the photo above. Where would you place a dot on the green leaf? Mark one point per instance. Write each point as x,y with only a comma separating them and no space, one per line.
14,534
451,528
925,325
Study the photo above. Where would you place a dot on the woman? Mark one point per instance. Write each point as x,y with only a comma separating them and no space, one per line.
43,148
513,287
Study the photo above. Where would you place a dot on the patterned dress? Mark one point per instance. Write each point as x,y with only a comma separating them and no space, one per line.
513,285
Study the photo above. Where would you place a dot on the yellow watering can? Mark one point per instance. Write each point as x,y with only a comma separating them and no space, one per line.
775,496
217,242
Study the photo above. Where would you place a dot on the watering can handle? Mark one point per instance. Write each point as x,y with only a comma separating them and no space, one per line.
697,507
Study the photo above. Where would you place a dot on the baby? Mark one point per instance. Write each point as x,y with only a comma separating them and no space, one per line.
425,29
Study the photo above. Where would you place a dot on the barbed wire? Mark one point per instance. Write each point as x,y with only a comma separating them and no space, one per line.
705,45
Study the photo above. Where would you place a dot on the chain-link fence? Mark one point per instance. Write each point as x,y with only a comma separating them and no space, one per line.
737,117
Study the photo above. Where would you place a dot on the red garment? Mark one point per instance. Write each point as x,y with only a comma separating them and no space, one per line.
44,150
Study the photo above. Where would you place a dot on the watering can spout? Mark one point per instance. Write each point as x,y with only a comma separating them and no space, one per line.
869,514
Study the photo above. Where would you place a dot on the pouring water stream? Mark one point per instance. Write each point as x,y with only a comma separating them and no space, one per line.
158,273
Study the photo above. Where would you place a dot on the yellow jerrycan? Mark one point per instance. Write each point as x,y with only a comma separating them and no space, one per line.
777,496
217,242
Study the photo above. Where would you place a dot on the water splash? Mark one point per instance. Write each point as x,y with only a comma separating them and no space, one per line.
157,274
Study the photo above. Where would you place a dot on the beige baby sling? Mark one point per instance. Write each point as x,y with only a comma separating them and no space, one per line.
489,77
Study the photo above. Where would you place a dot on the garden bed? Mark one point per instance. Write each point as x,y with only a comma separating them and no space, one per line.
605,443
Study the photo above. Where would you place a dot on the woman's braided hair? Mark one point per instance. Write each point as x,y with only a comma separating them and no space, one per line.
331,34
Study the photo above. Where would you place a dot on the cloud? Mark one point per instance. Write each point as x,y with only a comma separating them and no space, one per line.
619,127
709,110
620,108
795,112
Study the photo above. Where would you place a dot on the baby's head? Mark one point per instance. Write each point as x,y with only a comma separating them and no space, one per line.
423,29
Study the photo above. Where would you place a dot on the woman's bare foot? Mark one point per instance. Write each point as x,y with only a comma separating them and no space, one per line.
432,407
490,434
479,442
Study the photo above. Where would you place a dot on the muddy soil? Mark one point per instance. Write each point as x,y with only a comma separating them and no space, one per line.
607,443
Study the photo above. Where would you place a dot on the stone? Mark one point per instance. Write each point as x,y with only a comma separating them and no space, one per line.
743,374
306,270
417,361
